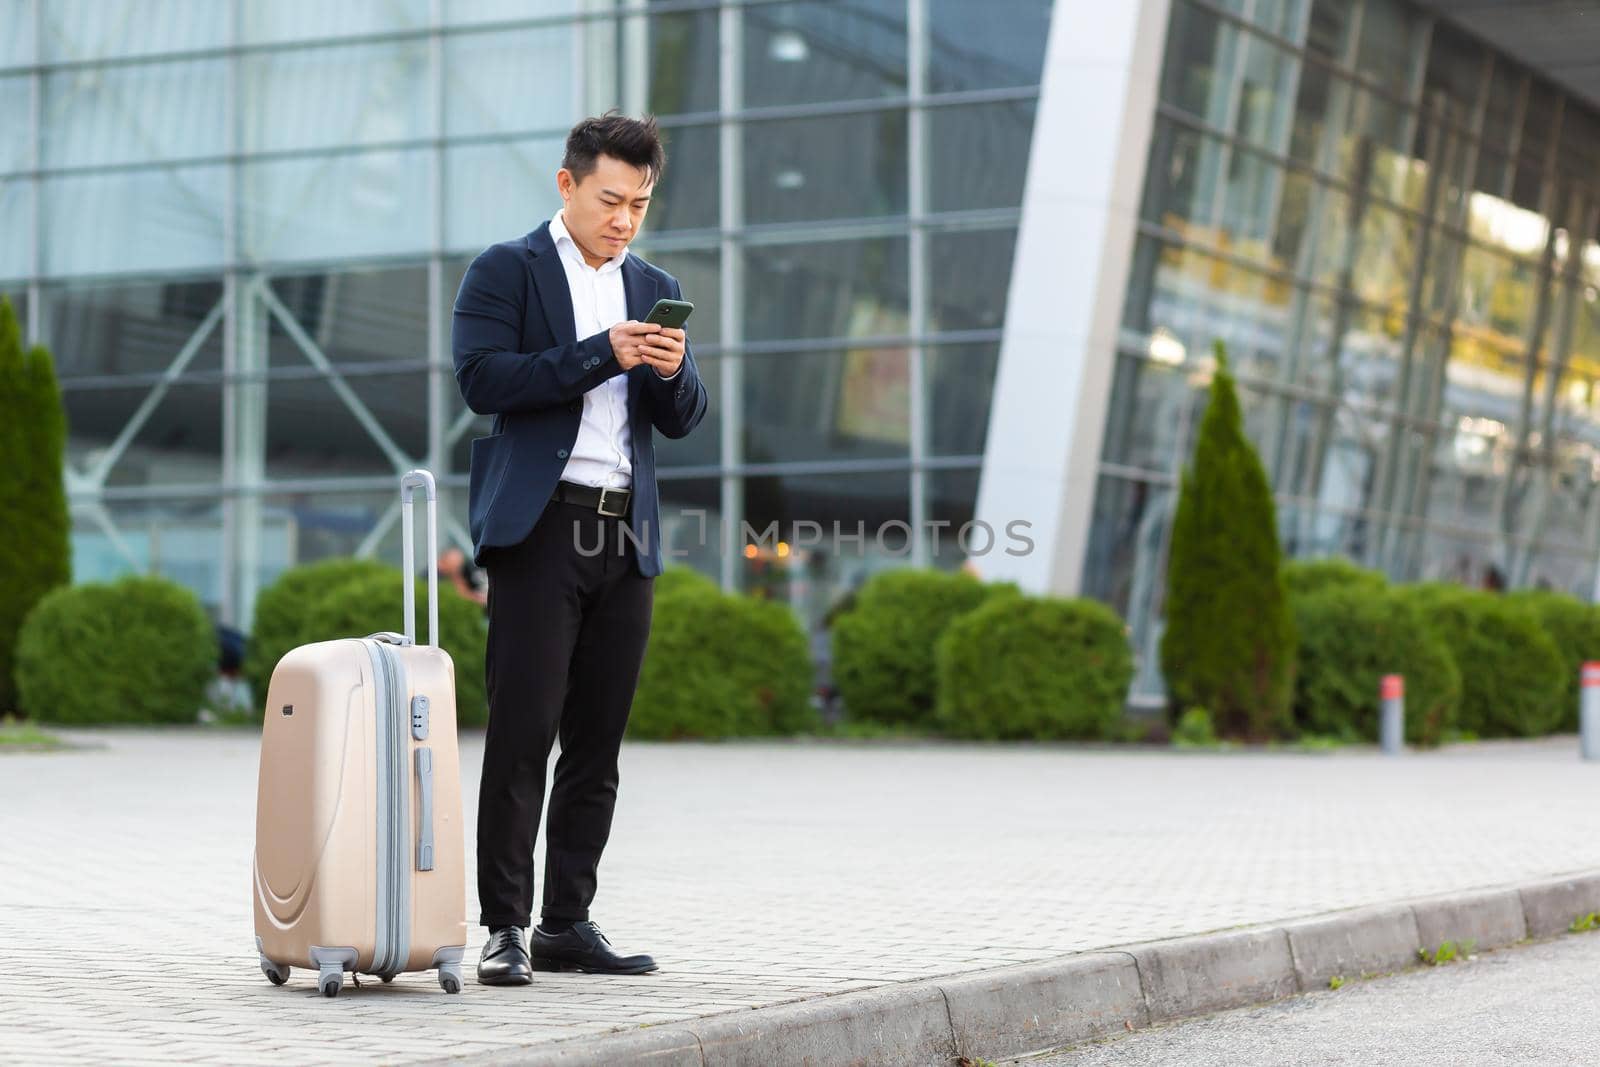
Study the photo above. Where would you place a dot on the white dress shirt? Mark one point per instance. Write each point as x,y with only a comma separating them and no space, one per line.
602,455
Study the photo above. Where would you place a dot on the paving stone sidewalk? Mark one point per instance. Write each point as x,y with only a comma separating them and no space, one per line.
755,873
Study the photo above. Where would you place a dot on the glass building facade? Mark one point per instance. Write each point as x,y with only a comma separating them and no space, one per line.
240,226
1394,230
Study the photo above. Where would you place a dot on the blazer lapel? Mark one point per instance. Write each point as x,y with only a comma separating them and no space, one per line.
640,292
551,280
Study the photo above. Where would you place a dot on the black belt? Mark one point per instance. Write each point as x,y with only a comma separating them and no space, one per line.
604,499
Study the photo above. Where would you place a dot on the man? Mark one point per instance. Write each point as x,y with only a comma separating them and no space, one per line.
466,576
547,337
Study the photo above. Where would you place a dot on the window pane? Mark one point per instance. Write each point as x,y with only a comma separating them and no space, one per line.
135,114
811,578
997,44
179,539
960,381
92,29
847,166
164,219
499,191
704,445
340,206
691,523
301,528
472,11
835,289
130,329
1147,412
851,404
1229,78
288,20
978,155
312,433
360,316
952,499
699,274
687,196
969,275
15,94
16,206
1281,17
799,53
510,81
179,442
334,97
683,62
16,45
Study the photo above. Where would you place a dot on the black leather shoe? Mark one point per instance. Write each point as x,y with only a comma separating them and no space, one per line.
582,947
504,960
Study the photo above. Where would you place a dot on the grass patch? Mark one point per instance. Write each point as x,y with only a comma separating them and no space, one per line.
19,736
1446,952
1336,981
1584,923
867,729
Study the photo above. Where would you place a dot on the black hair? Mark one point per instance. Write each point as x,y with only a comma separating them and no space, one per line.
636,142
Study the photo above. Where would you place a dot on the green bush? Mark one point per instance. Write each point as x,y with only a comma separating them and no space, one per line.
368,603
1350,637
35,528
1229,641
1511,671
1575,628
138,650
884,644
1194,730
721,665
1303,577
1036,668
680,577
279,623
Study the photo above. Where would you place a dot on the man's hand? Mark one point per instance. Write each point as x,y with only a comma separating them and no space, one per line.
629,339
664,351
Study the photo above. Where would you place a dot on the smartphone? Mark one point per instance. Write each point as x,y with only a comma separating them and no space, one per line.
670,313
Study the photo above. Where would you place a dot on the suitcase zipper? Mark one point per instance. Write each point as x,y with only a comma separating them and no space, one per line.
392,935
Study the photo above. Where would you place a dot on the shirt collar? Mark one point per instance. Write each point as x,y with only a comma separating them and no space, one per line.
567,247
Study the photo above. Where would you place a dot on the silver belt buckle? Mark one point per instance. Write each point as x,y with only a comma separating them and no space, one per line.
622,510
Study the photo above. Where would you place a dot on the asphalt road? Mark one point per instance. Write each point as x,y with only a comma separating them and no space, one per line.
1539,1004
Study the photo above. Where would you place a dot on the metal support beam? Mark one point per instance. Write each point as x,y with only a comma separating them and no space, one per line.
730,216
917,48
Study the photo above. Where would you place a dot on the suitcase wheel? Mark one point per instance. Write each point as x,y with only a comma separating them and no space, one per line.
450,979
330,982
387,978
275,974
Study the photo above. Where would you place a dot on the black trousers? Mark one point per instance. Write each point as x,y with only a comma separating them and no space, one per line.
567,631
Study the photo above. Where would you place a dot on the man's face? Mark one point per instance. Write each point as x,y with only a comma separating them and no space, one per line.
604,211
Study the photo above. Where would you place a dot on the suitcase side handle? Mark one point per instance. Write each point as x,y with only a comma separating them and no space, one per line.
410,482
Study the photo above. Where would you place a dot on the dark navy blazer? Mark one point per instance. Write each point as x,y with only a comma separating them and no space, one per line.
517,359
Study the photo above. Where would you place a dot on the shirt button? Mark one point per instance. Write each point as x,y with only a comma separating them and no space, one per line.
561,453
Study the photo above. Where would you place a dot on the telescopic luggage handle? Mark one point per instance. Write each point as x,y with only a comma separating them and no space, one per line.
409,483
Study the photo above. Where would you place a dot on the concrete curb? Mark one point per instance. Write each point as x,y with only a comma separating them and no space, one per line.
1019,1010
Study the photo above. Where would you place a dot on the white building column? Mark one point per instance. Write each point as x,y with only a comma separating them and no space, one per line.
1080,204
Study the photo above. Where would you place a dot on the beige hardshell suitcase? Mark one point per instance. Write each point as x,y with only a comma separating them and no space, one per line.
359,860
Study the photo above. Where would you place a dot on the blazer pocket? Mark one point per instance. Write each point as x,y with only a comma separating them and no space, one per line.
490,461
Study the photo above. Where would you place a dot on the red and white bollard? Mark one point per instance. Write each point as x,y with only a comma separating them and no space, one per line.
1392,720
1589,711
